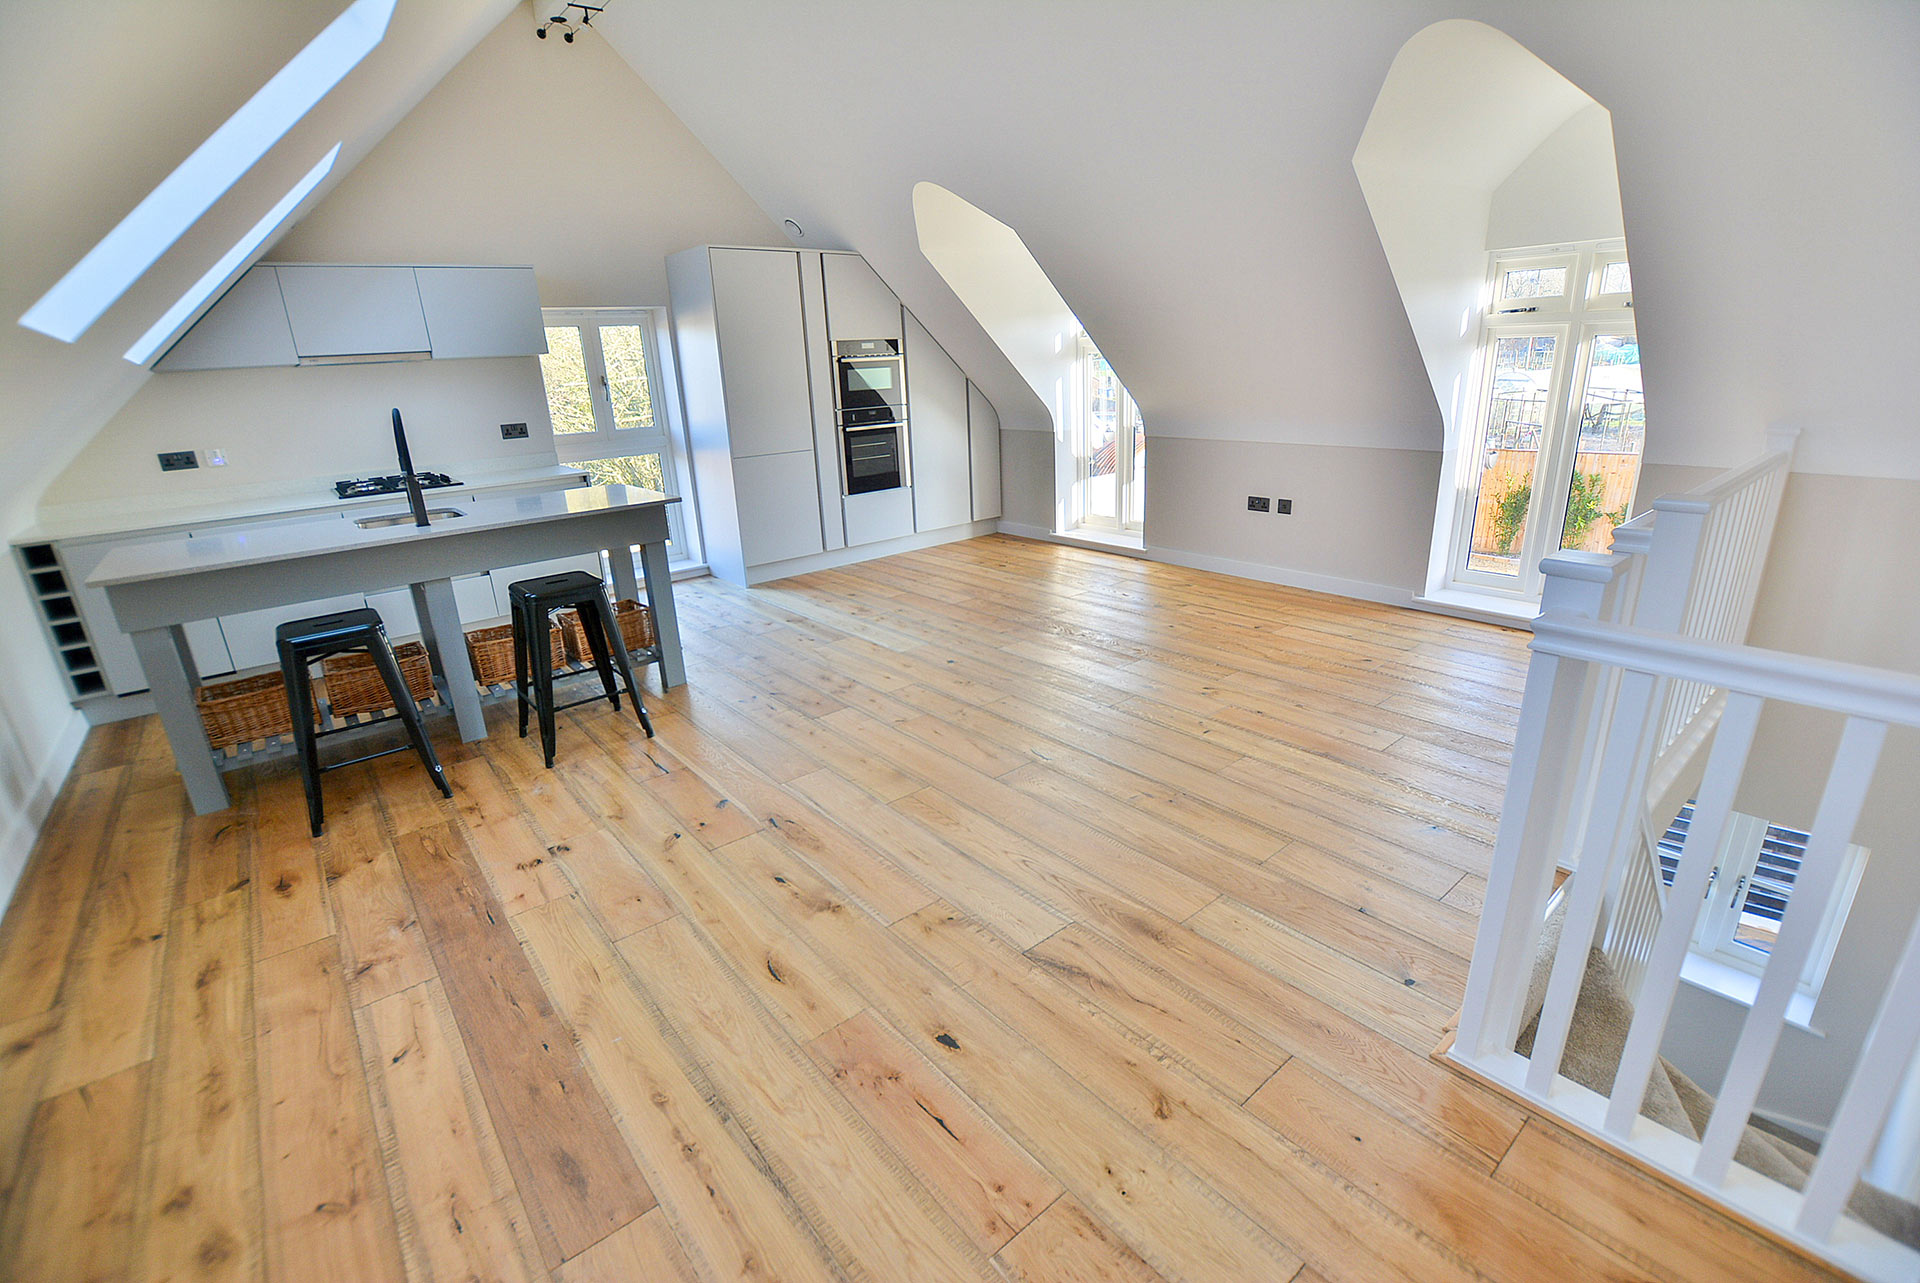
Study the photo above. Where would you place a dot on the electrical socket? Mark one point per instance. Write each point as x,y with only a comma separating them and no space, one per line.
1283,506
177,460
513,432
1258,503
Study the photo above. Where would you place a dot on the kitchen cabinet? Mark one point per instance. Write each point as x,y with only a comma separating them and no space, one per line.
246,327
748,365
481,311
779,507
754,330
113,649
249,633
341,311
290,313
983,440
763,344
859,304
507,576
880,515
937,433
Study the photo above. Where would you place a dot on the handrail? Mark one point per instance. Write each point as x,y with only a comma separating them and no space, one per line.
1853,689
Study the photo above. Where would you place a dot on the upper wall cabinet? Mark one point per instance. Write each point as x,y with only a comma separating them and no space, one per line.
481,311
326,313
248,327
859,304
353,311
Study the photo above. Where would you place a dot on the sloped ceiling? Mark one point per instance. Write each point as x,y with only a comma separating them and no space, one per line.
98,107
1182,171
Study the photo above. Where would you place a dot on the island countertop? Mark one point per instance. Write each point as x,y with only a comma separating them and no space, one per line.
324,535
155,588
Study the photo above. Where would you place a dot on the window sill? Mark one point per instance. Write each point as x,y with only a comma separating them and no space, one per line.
1713,976
1095,537
1491,608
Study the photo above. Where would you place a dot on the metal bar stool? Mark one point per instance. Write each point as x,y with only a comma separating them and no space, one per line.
534,601
301,642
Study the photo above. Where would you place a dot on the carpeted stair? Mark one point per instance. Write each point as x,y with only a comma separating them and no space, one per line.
1598,1038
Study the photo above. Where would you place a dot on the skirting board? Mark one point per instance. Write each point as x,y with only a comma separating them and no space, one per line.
766,574
24,829
1386,594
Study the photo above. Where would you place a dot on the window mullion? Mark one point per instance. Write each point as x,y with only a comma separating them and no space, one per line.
597,395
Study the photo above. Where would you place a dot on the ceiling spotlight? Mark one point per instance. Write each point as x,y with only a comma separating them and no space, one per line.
567,23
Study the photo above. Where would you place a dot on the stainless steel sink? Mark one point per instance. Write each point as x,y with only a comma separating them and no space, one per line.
404,518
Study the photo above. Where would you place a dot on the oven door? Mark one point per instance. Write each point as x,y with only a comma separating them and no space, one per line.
870,383
874,459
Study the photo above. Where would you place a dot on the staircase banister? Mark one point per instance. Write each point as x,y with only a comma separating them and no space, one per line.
1855,690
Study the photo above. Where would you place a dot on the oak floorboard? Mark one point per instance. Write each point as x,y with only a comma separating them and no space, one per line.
200,1209
1065,1245
1000,909
72,1218
991,1187
578,1182
463,1224
327,1209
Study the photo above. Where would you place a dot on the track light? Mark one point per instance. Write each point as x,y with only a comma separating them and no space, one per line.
569,26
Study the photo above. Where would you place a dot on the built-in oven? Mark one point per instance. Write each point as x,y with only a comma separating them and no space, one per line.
875,457
870,383
870,402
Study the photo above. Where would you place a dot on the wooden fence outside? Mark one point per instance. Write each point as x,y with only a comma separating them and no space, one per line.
1510,467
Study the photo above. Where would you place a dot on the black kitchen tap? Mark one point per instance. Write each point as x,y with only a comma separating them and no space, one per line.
415,500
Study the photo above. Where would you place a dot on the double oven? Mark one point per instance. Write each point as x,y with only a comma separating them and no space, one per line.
870,402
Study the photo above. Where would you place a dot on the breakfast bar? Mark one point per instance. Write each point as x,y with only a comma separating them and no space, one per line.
156,588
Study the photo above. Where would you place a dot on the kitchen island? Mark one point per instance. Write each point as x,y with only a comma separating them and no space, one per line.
156,588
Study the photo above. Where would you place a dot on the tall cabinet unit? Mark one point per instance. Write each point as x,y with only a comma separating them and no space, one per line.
741,337
755,331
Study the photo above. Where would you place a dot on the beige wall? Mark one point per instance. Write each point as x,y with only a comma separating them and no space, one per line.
1838,584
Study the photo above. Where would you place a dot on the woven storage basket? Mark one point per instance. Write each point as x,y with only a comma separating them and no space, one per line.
636,628
354,685
491,650
242,711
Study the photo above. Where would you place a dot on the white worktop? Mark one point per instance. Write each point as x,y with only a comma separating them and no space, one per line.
306,536
125,514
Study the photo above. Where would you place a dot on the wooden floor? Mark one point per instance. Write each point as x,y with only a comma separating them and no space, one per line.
1003,910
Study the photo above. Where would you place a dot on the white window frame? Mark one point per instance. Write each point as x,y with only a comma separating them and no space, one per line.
1719,917
666,438
1128,430
1573,320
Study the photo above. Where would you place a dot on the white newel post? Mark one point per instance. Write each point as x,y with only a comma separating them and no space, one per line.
1552,747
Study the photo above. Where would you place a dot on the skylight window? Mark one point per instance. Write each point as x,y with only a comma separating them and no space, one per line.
93,284
228,269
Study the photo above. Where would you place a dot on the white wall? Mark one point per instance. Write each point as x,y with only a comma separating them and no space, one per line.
295,431
1567,190
529,151
537,151
995,277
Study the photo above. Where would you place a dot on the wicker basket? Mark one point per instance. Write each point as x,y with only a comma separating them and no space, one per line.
491,650
354,685
636,629
242,711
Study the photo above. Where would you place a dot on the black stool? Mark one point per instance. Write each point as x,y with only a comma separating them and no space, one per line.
534,601
303,641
